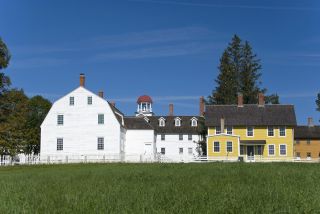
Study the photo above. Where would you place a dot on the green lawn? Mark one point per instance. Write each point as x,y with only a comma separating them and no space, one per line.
161,188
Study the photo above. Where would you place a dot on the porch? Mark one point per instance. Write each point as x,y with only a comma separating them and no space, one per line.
252,150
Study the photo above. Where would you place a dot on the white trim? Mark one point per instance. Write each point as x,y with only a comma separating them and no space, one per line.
215,130
177,122
285,131
280,149
274,148
227,130
252,131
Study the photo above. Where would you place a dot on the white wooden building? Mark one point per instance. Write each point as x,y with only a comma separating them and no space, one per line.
83,126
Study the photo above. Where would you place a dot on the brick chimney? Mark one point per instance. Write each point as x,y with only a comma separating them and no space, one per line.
171,109
82,80
100,94
261,101
113,103
202,106
240,100
222,125
310,122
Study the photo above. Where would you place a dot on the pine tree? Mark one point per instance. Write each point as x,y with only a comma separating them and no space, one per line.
249,75
318,102
226,91
4,62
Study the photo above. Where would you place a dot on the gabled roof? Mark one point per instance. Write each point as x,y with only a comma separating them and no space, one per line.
136,123
251,115
116,112
306,132
170,127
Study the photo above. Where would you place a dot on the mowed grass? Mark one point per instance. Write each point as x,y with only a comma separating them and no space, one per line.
161,188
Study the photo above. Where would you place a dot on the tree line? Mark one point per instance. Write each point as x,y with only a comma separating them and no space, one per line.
20,115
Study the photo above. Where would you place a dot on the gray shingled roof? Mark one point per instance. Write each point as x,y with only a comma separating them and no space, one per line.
306,132
116,110
170,127
253,115
137,123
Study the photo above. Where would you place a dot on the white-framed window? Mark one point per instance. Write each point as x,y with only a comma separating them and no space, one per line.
229,146
218,130
180,136
100,119
60,119
100,142
216,146
189,137
298,154
283,149
163,137
59,144
308,155
282,131
241,149
181,151
259,150
71,101
177,122
250,131
162,123
308,142
194,123
271,150
229,129
163,150
89,100
190,152
270,131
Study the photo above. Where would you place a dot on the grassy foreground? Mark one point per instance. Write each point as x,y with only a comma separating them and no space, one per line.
161,188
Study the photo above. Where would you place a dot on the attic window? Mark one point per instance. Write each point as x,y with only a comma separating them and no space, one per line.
177,122
161,122
194,122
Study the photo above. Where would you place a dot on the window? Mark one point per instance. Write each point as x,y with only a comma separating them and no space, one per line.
297,141
216,147
308,154
250,131
189,137
100,143
308,142
229,146
163,151
161,122
241,149
100,118
59,144
229,129
194,122
163,137
283,149
180,151
180,136
60,119
71,101
190,152
270,131
259,150
89,100
177,122
271,150
218,130
282,131
298,154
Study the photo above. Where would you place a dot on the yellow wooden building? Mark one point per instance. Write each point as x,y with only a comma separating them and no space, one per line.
255,132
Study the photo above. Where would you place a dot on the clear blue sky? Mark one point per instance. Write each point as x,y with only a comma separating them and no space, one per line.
167,49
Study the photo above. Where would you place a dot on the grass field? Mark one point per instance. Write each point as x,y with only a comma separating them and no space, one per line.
161,188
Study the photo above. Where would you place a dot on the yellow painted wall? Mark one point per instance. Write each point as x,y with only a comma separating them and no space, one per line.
260,133
223,139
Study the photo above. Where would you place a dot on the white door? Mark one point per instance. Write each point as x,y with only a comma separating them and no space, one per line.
148,149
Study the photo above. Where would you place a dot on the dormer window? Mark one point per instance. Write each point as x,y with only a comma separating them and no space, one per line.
194,122
162,122
177,121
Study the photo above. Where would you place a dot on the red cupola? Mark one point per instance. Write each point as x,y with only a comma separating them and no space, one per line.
144,106
144,99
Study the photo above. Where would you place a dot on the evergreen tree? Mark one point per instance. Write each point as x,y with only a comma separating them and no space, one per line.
318,102
4,61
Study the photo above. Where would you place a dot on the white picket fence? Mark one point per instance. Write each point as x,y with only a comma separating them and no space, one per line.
22,159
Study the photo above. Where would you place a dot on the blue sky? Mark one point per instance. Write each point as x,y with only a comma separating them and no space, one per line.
167,49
